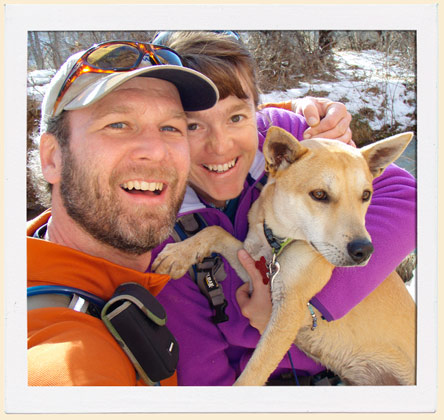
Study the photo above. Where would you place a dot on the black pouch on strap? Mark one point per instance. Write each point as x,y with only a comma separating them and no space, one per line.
136,319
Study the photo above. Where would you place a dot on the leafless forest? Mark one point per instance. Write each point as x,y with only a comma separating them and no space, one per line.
284,57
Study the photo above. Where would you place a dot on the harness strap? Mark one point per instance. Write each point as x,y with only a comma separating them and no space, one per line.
209,272
133,316
67,297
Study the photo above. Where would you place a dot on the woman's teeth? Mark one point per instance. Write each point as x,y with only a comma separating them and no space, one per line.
143,186
221,168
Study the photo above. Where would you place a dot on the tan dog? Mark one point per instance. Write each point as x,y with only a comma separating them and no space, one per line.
317,196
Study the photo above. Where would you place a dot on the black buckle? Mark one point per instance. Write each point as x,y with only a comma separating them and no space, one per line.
220,315
209,286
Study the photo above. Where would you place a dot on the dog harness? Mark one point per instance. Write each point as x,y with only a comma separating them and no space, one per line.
210,272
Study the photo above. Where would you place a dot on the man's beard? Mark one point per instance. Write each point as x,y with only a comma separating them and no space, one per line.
99,211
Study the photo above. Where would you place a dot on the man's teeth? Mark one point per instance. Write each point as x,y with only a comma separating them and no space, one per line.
143,186
221,168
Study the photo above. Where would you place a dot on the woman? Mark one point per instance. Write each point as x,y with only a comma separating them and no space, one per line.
227,170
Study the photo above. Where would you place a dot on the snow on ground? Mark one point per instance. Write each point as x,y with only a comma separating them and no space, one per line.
365,80
37,83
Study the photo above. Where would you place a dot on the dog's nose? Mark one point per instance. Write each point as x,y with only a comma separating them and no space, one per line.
360,250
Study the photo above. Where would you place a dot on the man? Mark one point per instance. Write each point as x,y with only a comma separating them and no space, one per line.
113,148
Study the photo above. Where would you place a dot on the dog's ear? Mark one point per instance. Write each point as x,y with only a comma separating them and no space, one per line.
382,153
281,149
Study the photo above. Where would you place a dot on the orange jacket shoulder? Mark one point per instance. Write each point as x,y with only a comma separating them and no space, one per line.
66,347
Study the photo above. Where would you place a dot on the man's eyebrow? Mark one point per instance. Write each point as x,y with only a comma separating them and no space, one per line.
181,115
101,112
127,108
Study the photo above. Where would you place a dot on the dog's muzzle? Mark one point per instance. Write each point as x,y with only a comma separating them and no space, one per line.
360,250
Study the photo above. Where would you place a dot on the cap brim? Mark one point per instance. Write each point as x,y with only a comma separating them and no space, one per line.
197,92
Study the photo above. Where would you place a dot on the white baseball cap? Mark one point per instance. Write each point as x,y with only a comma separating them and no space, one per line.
197,92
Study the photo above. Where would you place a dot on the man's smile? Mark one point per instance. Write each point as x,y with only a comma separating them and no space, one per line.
137,186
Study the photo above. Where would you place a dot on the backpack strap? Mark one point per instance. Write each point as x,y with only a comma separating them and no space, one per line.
261,183
210,271
133,316
66,297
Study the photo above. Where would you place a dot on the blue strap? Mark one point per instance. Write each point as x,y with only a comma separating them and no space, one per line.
293,368
65,290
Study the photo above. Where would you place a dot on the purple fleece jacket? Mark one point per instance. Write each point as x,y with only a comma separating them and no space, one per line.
215,354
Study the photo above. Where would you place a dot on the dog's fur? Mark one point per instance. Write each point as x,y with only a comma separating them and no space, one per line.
318,195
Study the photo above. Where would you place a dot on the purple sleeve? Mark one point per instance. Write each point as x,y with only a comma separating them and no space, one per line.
391,222
289,121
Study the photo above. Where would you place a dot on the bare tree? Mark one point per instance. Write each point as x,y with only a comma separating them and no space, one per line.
35,50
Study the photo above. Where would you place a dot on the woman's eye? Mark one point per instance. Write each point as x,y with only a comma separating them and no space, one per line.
236,118
192,126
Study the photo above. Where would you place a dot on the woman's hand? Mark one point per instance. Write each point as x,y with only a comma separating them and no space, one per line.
326,118
257,306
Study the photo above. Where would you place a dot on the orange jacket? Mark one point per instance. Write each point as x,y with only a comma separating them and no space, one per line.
66,347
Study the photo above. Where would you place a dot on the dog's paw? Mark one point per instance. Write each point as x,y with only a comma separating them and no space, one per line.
174,260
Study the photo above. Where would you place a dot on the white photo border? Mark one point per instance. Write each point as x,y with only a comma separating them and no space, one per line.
21,18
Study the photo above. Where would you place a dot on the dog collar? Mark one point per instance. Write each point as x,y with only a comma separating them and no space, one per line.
278,244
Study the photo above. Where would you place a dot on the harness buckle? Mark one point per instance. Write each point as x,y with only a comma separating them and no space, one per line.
206,279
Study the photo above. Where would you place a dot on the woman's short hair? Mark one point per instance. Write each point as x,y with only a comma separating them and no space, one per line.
221,57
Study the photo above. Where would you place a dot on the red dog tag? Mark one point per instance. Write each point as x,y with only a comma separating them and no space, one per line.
261,265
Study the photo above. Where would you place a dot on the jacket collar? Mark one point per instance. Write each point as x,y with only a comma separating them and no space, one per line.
53,264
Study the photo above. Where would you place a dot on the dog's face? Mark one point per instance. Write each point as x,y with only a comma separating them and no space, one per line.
322,190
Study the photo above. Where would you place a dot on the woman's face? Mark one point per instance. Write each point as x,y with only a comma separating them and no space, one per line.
223,144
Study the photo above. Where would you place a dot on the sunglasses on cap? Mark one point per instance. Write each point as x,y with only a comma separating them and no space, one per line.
118,56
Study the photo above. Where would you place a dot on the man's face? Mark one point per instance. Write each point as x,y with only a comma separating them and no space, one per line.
125,172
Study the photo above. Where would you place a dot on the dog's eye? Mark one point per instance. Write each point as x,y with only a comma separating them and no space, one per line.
366,195
319,195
